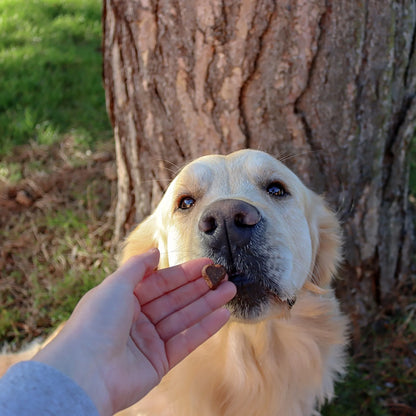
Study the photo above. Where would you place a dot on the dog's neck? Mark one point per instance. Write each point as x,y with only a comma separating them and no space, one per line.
245,364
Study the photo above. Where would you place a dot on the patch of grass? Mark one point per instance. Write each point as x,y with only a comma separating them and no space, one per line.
67,220
380,377
10,172
54,299
50,76
58,247
60,261
356,395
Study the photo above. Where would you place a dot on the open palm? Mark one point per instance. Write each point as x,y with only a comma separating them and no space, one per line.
129,331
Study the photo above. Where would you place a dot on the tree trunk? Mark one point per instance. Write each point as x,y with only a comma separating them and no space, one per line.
327,86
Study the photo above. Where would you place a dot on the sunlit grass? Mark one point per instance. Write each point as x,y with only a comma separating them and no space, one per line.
50,71
51,95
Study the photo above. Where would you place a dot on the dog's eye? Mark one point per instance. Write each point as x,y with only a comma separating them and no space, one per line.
186,202
277,189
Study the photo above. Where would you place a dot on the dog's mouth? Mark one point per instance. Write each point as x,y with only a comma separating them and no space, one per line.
255,294
240,279
259,271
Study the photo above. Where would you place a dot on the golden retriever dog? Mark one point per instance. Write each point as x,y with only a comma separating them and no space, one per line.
283,347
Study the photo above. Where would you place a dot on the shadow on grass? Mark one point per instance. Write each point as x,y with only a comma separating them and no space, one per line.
50,72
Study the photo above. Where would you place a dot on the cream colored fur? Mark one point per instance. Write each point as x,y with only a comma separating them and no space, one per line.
282,365
275,367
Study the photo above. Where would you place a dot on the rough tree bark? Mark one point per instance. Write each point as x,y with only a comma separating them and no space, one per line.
327,85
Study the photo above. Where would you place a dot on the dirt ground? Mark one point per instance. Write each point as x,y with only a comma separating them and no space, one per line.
56,215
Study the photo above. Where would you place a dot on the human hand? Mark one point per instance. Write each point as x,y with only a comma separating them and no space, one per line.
128,332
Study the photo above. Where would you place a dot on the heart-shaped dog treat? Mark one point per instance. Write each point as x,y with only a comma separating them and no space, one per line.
213,275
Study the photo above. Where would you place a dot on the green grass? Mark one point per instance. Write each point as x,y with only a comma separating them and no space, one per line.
358,394
84,263
50,72
380,375
52,97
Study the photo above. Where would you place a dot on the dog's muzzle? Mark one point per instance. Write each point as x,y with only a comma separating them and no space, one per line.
231,231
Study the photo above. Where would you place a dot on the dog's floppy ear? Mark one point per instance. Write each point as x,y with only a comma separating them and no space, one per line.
326,241
140,240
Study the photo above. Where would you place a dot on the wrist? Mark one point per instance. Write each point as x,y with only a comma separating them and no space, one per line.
70,360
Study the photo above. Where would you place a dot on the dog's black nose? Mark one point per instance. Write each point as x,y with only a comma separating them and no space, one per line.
228,222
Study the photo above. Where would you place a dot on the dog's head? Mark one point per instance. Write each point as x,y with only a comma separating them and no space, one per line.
251,214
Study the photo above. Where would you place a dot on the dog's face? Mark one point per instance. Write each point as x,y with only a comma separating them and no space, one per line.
251,214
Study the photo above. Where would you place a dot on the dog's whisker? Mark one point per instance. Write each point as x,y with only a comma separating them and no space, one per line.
174,167
284,157
157,180
172,172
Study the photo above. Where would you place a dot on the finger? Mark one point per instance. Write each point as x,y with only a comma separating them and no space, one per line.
163,306
179,346
166,280
197,310
136,268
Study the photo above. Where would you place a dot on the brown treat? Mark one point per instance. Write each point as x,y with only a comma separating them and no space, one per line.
213,275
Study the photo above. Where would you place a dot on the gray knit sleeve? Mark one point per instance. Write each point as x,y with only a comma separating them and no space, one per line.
32,388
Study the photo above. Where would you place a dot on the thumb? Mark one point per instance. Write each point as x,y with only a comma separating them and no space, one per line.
136,268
